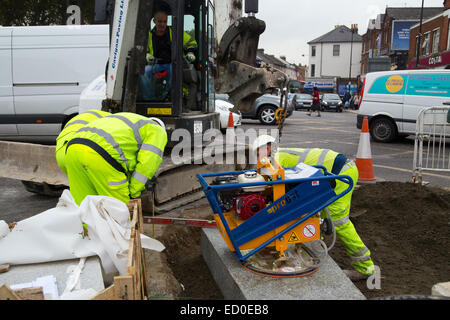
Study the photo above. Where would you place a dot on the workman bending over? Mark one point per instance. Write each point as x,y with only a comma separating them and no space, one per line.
115,156
338,164
70,128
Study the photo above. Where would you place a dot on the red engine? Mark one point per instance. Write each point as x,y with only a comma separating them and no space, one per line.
248,205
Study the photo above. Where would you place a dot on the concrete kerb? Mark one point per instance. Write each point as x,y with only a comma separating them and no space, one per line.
236,283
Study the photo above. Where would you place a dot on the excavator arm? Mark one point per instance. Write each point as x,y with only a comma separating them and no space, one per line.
237,72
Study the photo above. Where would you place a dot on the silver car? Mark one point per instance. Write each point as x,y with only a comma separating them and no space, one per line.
263,109
302,101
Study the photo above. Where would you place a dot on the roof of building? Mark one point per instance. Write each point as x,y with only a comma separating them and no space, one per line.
339,34
412,13
271,59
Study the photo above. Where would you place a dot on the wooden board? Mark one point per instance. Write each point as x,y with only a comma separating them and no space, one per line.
133,285
7,294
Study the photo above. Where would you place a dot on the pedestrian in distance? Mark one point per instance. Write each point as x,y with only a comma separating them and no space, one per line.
352,101
315,102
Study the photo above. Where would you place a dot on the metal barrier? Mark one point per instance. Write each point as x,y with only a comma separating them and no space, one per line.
431,145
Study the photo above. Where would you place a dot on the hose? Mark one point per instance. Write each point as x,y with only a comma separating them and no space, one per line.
333,228
322,253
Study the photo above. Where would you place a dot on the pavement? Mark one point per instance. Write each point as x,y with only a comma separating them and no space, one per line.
236,283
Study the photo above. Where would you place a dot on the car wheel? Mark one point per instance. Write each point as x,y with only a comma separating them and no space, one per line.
383,130
267,115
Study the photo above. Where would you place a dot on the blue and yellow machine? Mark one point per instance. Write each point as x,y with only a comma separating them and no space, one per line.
269,229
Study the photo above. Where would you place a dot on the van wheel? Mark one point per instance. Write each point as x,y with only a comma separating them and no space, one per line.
383,130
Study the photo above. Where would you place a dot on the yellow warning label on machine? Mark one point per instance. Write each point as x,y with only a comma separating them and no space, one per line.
293,237
161,111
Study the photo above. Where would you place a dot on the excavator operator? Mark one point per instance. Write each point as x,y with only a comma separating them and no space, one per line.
159,57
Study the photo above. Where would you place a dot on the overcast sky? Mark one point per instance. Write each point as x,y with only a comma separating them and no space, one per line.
290,24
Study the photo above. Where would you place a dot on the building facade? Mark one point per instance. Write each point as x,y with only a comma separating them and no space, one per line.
335,58
434,49
389,35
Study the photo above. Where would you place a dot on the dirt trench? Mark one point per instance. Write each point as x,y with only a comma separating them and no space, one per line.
406,227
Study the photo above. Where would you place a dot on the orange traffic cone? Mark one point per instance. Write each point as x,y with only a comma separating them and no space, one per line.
364,155
230,120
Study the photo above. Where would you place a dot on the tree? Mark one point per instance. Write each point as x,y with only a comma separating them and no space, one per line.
42,12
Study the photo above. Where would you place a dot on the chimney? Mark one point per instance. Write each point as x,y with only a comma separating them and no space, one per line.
283,58
446,4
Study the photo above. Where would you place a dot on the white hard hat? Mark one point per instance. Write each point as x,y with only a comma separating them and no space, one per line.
158,121
261,141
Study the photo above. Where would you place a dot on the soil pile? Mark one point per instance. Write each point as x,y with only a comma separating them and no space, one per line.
406,227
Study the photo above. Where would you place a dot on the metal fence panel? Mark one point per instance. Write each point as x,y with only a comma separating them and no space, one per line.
431,145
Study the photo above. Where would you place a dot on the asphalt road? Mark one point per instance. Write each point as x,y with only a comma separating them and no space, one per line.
336,131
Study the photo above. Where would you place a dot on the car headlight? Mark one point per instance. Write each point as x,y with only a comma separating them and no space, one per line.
325,103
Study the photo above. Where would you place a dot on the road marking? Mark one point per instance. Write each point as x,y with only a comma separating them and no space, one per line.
410,171
394,154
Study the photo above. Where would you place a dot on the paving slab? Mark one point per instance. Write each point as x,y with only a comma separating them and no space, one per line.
90,277
236,283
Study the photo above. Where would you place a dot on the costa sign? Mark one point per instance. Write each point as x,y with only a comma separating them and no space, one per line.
435,60
431,62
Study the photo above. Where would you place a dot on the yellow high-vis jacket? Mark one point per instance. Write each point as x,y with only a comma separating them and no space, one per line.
70,128
135,143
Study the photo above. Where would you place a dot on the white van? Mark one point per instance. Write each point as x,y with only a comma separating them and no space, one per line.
43,70
392,100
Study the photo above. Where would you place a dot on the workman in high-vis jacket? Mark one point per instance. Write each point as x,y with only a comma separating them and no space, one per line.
336,163
70,128
115,156
159,46
160,41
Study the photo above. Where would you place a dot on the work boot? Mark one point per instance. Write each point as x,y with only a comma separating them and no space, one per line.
354,275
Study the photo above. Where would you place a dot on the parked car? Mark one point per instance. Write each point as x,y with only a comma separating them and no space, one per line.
43,71
95,93
330,101
302,101
224,109
263,109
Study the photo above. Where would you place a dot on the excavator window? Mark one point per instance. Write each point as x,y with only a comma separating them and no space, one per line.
157,82
185,85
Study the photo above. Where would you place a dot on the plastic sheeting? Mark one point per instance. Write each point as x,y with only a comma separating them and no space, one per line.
57,234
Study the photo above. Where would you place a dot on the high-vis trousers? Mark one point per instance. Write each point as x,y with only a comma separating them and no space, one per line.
345,230
90,174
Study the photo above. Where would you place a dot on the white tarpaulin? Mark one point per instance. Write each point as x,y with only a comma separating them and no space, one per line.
57,234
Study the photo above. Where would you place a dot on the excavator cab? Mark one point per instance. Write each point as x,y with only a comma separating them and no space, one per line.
178,91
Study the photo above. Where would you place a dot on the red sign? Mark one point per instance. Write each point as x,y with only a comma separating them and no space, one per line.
431,62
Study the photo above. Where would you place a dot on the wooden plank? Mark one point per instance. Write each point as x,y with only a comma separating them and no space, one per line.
132,286
4,268
124,288
7,294
30,293
107,294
